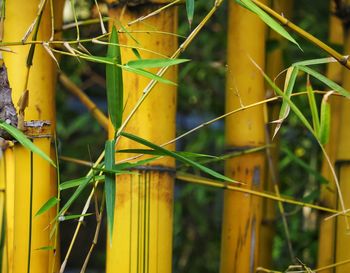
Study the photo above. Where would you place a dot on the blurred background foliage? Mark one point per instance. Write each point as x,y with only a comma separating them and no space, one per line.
197,213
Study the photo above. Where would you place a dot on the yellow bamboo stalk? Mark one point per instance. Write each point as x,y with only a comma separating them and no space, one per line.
328,192
343,156
274,66
23,167
142,237
3,245
244,85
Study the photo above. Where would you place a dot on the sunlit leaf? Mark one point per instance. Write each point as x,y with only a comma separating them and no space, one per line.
152,63
130,165
325,120
331,84
75,195
45,248
110,184
53,201
293,107
73,216
136,53
154,152
291,76
76,182
177,156
267,19
114,82
316,61
147,74
313,106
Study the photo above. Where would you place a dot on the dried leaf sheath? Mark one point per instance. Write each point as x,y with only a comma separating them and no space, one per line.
7,109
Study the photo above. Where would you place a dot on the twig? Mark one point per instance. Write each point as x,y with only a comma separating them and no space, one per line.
90,105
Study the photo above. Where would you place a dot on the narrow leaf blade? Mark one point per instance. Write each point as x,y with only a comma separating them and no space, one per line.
325,120
53,201
313,106
248,4
291,76
110,185
178,157
147,74
114,82
75,195
331,84
190,11
153,63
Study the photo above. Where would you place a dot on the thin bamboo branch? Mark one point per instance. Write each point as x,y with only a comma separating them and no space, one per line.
142,18
344,60
217,184
97,232
90,105
209,122
162,71
81,219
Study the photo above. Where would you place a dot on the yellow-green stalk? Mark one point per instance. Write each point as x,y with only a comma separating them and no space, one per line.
244,85
142,236
30,180
326,249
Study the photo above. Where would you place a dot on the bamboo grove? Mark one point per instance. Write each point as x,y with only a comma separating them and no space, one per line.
129,195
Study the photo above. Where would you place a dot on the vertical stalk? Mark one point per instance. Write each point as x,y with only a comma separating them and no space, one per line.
142,236
328,192
342,238
274,65
244,85
32,178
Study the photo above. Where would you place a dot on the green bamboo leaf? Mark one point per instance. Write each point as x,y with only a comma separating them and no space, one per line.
76,182
291,76
136,53
325,123
53,201
97,59
110,185
190,11
316,61
46,248
313,106
178,157
153,63
22,138
147,74
153,152
292,106
334,86
126,31
248,4
114,82
75,195
129,165
73,216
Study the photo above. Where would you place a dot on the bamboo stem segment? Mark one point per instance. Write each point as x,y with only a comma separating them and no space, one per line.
326,255
244,85
142,236
31,181
342,238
